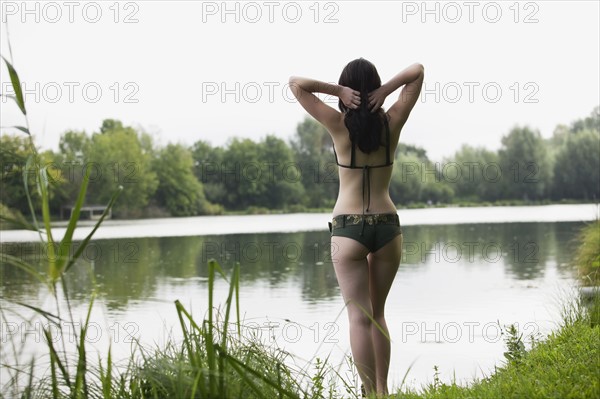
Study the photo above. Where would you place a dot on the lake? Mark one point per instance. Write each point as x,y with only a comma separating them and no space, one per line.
465,273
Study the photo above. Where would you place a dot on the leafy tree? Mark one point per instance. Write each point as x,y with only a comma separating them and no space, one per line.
15,151
525,165
178,189
436,192
591,122
13,156
208,168
74,148
112,125
241,174
116,158
408,174
474,173
577,167
282,182
74,145
248,173
313,153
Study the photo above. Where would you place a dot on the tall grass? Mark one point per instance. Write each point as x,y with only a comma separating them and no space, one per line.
587,260
210,362
68,375
587,257
215,359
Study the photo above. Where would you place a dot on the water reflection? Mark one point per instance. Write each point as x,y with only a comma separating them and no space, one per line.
133,269
522,248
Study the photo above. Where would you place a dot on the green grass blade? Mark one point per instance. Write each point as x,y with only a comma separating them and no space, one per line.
53,377
196,384
42,185
29,387
233,286
43,189
219,269
54,319
406,374
248,381
186,336
54,357
181,309
236,276
279,379
210,344
21,128
16,84
19,223
26,267
89,236
102,375
80,383
67,241
107,381
26,170
243,370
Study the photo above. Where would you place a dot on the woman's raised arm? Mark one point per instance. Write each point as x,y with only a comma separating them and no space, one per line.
412,80
303,89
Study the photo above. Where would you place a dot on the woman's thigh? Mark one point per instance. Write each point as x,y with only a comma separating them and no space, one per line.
383,266
349,258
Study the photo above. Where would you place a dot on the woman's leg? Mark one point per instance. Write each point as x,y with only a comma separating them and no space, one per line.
383,266
349,259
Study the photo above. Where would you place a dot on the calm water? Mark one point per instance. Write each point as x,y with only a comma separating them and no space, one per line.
455,284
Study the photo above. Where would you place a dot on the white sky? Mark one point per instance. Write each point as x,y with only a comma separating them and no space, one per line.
174,55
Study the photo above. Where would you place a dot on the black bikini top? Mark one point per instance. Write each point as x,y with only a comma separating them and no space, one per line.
367,168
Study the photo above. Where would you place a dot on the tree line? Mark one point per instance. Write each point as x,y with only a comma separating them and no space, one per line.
272,174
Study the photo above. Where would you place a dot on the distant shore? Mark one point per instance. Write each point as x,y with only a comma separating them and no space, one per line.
297,222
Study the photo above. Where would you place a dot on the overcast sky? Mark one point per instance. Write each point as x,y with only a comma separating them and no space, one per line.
190,70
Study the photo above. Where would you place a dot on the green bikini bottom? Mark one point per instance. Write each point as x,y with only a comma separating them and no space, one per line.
372,231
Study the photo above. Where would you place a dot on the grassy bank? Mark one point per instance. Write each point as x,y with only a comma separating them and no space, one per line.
564,365
588,256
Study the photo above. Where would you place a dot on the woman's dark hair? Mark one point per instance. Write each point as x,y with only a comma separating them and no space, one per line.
365,127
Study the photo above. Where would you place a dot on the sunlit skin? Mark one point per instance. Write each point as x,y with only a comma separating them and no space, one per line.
364,278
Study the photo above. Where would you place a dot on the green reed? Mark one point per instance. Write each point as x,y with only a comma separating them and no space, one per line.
209,362
58,262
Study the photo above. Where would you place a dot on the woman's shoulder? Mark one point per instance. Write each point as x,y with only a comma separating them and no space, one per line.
395,124
338,128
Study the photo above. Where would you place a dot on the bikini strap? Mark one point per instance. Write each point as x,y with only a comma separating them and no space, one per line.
388,144
336,158
352,156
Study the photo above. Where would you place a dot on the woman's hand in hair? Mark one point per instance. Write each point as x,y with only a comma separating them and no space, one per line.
350,98
376,98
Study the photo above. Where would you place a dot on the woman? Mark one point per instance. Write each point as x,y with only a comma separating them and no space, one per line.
366,240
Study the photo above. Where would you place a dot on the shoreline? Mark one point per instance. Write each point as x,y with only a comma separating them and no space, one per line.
303,222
